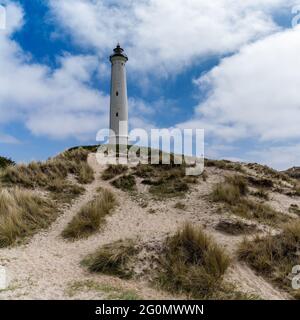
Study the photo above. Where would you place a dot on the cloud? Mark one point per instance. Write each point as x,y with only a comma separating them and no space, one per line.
165,36
253,99
8,139
59,103
254,93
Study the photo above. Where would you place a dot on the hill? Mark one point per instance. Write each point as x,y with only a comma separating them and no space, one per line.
71,228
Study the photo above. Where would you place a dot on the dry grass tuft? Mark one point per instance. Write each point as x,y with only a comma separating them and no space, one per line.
125,183
52,174
233,193
91,217
22,214
192,263
113,259
274,256
113,170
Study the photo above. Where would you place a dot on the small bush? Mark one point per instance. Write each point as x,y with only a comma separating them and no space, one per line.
22,214
113,259
274,256
192,263
260,182
113,170
225,192
125,183
224,164
86,174
91,217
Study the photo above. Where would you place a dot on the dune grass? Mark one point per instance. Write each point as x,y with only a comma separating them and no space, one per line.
5,162
22,214
233,193
113,259
125,182
113,170
52,174
274,256
91,217
192,263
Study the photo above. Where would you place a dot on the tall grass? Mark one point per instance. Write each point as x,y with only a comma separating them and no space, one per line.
275,256
52,174
90,217
233,193
113,170
113,259
192,263
22,214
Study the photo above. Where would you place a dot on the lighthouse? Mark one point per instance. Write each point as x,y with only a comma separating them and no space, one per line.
118,98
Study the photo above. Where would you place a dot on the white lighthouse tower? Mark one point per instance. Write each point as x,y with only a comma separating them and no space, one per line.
118,98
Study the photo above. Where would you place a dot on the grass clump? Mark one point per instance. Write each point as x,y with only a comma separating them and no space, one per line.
113,259
110,292
275,256
22,214
179,205
113,170
224,165
91,217
5,162
233,193
125,183
294,208
52,175
192,263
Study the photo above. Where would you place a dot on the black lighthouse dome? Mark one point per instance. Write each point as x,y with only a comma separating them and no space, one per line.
119,52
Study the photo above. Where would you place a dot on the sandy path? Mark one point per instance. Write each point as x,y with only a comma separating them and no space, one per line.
43,268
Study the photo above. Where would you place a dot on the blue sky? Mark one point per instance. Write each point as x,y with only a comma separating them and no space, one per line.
229,68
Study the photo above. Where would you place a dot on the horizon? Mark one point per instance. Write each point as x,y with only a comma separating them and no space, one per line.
229,69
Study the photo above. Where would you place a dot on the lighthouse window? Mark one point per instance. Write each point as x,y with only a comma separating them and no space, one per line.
117,93
117,114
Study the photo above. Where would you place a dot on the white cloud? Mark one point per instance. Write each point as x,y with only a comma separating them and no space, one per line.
164,36
254,93
58,103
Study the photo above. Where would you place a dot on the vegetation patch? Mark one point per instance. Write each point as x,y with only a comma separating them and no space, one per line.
233,193
294,208
235,227
113,259
113,170
5,162
262,194
110,292
180,206
224,165
275,256
125,183
52,174
91,217
22,214
192,263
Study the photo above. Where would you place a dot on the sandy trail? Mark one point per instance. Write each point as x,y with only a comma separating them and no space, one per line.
43,268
